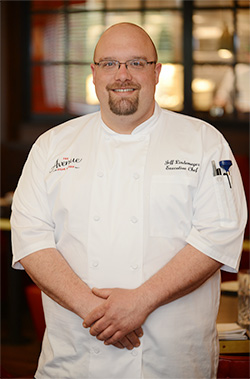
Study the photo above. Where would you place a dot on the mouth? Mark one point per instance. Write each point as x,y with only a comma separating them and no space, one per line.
123,90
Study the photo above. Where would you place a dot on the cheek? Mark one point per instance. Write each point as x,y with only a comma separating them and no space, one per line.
101,92
148,81
149,87
100,85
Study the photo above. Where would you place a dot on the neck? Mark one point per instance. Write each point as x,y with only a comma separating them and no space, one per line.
125,124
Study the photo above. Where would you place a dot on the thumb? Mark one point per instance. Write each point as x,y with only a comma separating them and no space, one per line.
104,293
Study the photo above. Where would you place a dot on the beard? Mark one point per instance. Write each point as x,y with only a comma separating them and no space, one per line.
124,106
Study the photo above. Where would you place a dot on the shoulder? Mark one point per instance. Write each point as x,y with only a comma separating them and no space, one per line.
69,131
75,125
192,127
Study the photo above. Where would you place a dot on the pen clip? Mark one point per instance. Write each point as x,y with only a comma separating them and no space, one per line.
214,168
216,171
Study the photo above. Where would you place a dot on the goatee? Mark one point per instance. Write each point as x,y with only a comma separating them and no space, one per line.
124,106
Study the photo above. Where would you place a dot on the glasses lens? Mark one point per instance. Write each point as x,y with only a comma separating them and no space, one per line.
137,64
108,65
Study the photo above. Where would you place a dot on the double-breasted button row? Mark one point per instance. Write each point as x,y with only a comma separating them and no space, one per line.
94,264
133,219
96,350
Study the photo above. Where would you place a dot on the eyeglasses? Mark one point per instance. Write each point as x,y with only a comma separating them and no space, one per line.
131,64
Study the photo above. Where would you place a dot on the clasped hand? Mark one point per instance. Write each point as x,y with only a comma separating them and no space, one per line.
118,320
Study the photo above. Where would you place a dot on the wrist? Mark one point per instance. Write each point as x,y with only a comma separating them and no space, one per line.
82,302
89,303
154,293
147,299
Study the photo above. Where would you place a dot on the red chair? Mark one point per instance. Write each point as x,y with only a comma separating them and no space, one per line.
34,299
233,366
4,374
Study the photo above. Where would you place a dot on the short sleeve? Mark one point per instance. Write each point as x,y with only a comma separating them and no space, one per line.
32,228
220,211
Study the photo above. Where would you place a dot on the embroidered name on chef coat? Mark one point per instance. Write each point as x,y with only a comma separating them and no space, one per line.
182,165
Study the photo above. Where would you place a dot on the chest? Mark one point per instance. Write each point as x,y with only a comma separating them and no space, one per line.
124,178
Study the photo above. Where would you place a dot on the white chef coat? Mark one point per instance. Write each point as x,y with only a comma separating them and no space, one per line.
118,208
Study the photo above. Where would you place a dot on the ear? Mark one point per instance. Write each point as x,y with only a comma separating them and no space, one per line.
93,71
157,72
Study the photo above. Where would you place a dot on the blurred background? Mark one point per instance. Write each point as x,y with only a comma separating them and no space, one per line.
46,51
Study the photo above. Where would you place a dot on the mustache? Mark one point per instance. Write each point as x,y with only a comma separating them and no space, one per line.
110,87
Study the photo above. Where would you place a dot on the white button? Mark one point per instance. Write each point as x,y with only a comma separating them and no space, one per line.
136,175
100,174
134,219
96,350
95,264
134,267
134,352
96,218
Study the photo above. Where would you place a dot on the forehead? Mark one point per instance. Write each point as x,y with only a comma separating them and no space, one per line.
124,42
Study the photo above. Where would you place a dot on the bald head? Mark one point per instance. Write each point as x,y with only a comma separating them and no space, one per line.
125,33
125,93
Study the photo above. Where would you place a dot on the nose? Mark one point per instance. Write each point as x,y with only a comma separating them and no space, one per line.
123,72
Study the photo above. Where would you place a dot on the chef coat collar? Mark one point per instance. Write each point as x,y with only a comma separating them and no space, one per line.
142,129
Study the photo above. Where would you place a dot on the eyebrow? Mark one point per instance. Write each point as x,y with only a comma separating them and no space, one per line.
115,59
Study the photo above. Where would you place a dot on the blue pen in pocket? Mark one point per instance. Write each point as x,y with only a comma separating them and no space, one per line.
224,194
225,165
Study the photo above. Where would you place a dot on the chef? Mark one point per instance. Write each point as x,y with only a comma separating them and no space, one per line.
124,219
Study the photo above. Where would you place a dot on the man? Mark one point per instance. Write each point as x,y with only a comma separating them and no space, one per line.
123,221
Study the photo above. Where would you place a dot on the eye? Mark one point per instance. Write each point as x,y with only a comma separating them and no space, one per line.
137,63
108,64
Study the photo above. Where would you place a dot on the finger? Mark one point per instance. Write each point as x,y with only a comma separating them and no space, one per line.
99,327
104,293
118,345
93,317
106,334
139,332
119,337
116,337
125,342
134,339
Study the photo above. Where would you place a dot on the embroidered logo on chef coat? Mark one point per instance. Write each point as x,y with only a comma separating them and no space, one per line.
65,163
181,165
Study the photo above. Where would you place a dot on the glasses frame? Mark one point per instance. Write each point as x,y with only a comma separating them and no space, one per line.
118,64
